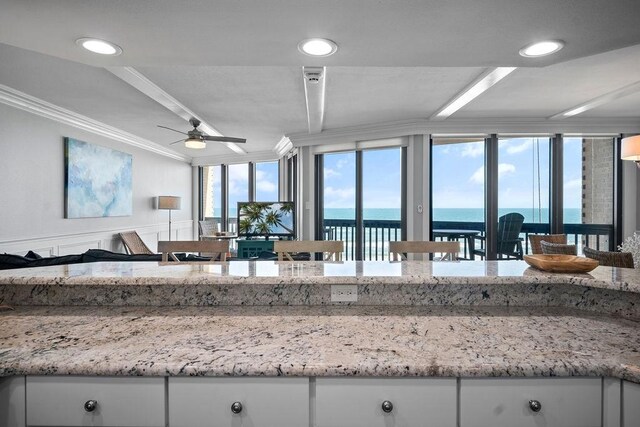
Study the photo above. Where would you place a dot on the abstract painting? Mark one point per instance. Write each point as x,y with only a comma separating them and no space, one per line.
97,181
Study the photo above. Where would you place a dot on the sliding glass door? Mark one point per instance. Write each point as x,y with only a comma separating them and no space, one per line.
361,197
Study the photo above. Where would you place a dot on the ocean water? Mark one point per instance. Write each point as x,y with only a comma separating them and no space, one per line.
571,215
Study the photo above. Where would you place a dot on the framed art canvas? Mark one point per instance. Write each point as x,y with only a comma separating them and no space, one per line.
97,181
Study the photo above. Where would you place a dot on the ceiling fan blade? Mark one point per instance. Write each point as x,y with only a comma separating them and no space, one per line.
164,127
175,142
224,139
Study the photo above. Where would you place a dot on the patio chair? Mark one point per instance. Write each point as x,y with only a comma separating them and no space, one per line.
610,259
331,249
133,244
449,250
509,242
549,248
535,239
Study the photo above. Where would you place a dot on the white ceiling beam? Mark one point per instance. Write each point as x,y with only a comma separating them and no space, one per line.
596,102
136,79
314,92
480,85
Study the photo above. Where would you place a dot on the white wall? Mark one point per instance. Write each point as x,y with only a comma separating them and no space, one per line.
32,191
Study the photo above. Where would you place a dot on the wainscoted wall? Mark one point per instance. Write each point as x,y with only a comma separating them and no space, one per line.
32,191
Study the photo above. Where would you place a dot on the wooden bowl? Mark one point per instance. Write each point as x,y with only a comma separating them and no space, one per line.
561,263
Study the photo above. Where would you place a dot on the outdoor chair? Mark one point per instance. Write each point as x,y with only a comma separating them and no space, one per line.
133,244
610,259
535,239
331,249
509,240
549,248
398,250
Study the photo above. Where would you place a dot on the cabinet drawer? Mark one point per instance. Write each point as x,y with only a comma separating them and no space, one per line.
266,402
121,401
631,404
355,402
497,402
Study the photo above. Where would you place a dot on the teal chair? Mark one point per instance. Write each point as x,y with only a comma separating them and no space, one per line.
509,240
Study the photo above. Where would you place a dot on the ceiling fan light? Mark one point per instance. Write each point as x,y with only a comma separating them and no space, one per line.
195,143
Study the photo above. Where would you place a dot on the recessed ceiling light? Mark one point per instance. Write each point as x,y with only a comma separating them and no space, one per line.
541,48
317,47
99,46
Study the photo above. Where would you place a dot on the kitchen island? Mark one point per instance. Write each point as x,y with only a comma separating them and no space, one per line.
420,321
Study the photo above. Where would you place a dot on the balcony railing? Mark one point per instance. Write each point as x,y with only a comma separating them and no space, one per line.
378,234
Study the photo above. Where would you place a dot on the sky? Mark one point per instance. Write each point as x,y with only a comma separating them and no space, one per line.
458,174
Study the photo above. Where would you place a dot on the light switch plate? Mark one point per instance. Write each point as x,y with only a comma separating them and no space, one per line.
344,293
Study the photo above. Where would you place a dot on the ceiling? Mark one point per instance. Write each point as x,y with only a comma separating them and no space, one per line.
235,64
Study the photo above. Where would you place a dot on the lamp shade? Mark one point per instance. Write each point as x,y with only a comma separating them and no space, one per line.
169,202
630,148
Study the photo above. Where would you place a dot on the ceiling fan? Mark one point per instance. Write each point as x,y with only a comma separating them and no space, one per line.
196,139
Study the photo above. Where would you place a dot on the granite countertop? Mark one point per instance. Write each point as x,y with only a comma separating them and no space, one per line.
317,341
313,272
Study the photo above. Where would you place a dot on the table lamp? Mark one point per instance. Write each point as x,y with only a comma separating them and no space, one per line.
170,203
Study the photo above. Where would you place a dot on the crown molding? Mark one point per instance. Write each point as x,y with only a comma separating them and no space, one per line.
15,98
283,146
258,156
583,126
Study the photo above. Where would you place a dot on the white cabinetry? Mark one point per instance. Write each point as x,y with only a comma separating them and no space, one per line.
95,401
263,402
535,402
12,402
385,402
630,404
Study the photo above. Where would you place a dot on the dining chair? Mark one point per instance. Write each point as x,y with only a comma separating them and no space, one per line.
449,250
535,239
549,248
610,259
509,240
214,249
133,244
331,249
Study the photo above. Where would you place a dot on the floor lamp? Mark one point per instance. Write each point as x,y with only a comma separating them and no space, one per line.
169,203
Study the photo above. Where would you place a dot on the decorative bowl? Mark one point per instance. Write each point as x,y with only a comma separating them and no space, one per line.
561,263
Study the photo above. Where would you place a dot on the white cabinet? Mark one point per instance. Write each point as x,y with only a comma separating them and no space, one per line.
95,401
630,404
508,402
385,402
263,402
12,402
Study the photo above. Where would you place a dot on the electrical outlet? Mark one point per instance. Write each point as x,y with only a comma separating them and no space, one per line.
344,293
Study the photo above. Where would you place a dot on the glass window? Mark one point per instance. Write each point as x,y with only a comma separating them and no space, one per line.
523,182
381,201
457,179
212,195
588,190
340,200
238,178
267,182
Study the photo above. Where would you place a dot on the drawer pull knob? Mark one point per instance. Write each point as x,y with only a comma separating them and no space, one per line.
90,405
387,406
535,405
236,407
